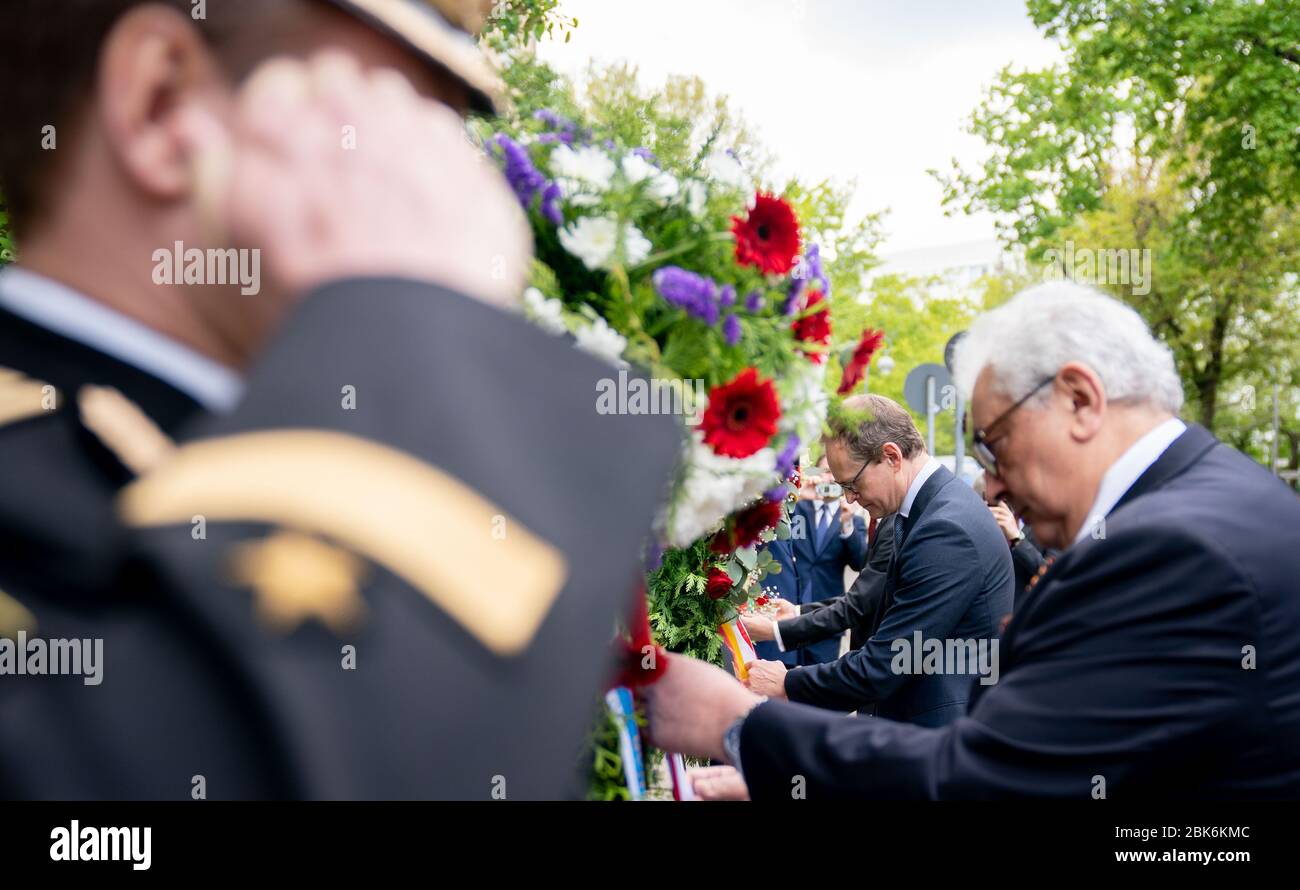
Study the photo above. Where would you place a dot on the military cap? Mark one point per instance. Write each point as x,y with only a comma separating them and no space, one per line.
441,31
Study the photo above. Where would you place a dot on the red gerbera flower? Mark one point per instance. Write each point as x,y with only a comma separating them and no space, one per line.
814,325
768,238
741,416
719,584
857,366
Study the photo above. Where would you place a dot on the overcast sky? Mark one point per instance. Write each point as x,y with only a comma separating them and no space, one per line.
872,90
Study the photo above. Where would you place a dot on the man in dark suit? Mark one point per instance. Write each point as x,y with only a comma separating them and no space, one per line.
811,622
826,538
329,540
948,585
1158,657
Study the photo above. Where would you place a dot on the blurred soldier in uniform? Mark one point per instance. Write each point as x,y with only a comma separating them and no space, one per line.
284,509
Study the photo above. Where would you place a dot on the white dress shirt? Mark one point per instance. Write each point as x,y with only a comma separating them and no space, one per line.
64,311
915,488
1125,471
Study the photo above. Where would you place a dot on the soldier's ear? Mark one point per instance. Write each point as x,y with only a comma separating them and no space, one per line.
154,61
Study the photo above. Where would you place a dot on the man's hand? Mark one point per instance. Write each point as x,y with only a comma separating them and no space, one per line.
336,172
719,783
1006,521
692,705
785,609
766,678
846,518
758,627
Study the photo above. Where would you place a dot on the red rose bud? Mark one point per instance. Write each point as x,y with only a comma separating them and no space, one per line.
719,584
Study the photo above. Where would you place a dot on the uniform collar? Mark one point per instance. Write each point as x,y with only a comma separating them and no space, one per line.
62,310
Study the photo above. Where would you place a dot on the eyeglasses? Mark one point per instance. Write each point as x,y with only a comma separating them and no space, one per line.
849,486
982,447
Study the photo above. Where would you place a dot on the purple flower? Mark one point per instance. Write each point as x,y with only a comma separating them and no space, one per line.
776,495
731,330
792,298
524,178
728,295
809,269
646,154
694,293
785,460
554,121
550,203
754,301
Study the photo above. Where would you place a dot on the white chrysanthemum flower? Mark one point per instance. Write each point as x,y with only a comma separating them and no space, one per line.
602,341
546,312
804,401
636,246
723,168
663,186
595,241
583,173
714,487
592,239
697,194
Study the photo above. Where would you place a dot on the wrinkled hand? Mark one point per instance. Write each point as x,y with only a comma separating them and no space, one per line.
785,609
334,172
1006,521
766,678
719,783
691,705
758,627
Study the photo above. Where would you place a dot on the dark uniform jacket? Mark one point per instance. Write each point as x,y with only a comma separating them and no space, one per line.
410,596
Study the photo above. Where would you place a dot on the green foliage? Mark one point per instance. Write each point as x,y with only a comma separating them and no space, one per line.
918,319
1169,128
513,24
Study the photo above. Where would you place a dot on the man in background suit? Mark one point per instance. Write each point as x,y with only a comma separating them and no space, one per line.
1028,558
1159,656
950,579
784,585
826,538
810,622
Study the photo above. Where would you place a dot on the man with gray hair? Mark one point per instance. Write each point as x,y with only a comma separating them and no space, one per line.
1158,657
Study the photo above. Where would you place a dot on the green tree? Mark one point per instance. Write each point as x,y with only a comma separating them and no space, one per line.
1169,128
918,319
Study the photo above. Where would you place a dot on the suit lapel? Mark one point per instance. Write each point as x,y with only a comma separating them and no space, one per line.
903,526
1184,451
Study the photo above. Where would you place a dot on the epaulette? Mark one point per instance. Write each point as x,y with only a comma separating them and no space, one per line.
21,397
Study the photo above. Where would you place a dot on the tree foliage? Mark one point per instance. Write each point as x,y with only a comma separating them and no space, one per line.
1171,128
